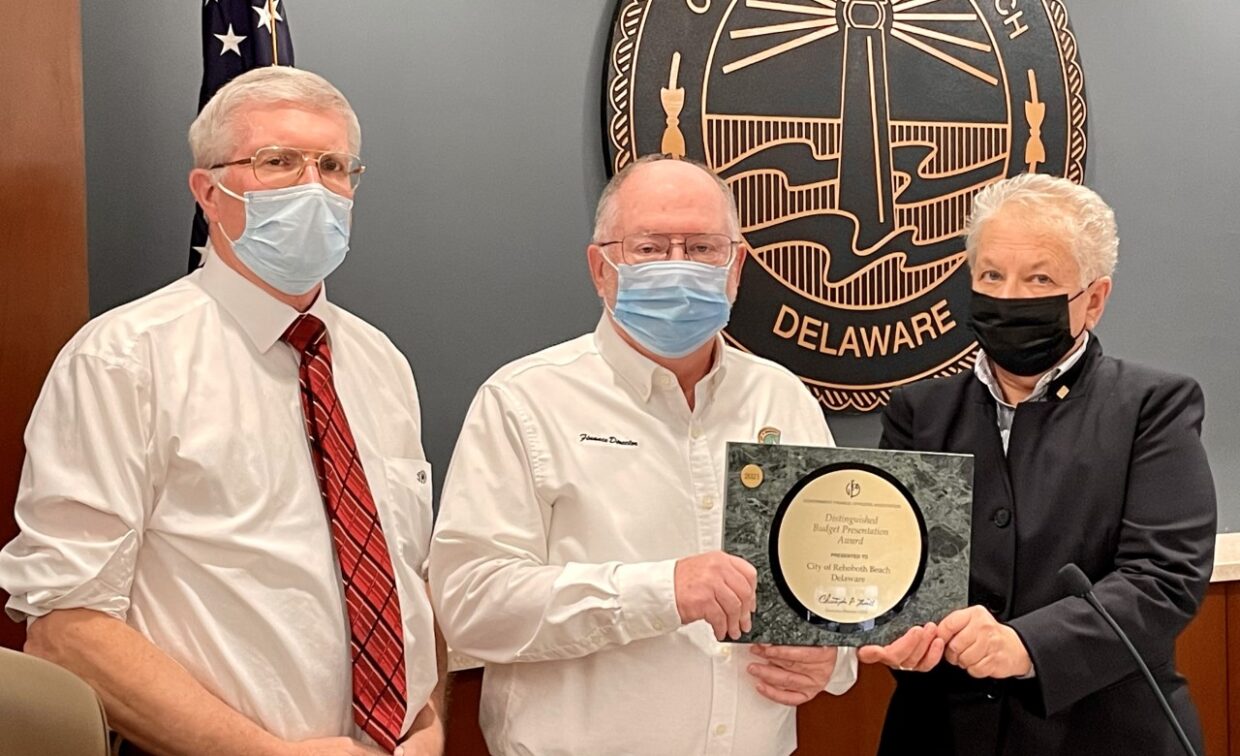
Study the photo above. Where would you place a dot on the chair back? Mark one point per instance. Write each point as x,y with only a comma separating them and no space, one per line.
47,710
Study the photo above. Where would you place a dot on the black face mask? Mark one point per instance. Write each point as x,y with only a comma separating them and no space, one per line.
1026,336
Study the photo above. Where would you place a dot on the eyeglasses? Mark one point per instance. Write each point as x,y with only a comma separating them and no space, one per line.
711,249
278,167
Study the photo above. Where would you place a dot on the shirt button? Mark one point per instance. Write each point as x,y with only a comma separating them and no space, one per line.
721,729
657,625
696,432
725,651
1002,517
665,381
708,502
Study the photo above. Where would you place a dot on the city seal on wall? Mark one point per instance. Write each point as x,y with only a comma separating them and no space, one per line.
854,135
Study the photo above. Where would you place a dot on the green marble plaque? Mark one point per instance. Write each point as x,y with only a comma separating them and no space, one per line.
852,546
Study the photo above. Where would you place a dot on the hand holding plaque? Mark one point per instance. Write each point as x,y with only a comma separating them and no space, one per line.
718,588
852,546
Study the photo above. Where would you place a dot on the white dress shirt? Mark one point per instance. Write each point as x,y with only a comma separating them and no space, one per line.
1005,412
168,483
580,477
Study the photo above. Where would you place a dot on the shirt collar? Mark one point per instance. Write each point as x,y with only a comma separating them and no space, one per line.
984,373
638,370
262,317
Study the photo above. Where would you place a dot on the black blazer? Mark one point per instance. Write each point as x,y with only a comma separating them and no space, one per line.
1108,472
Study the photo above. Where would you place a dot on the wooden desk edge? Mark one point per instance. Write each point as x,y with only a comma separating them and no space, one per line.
1226,558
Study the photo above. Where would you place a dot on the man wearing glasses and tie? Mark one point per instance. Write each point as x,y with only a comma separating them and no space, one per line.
577,548
225,505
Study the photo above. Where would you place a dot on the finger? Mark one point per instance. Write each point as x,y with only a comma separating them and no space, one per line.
982,669
807,668
743,615
953,624
728,600
741,586
901,648
963,638
733,609
747,570
802,654
872,655
783,678
743,575
715,616
786,697
972,655
790,666
933,656
915,653
891,655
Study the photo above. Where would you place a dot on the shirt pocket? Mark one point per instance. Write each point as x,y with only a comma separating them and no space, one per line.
406,504
403,498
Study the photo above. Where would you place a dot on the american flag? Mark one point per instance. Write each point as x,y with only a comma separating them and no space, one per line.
237,35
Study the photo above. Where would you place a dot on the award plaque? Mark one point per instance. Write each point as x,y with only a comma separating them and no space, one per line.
852,546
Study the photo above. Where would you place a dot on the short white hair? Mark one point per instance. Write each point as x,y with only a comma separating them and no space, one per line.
1073,213
212,137
605,213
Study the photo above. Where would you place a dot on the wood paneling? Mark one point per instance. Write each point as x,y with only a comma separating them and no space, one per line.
860,711
849,725
1231,641
463,735
1201,655
43,284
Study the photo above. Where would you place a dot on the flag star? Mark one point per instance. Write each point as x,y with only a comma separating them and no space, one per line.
265,16
231,41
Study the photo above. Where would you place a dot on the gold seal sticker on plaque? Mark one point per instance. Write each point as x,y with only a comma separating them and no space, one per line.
751,476
848,547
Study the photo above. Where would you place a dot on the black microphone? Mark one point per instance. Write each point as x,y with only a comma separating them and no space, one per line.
1079,585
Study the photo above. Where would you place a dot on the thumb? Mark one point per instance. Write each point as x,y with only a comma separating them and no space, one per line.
952,624
871,654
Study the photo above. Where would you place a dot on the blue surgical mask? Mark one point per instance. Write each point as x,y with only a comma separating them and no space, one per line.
294,237
672,308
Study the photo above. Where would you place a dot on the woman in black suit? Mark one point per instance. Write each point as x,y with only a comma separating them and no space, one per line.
1080,458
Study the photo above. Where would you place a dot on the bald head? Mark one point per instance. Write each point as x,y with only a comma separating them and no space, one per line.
659,195
670,192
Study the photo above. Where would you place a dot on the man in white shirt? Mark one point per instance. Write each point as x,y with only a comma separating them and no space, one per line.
577,546
225,506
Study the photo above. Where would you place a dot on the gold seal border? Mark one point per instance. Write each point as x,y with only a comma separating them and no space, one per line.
631,17
623,55
1074,85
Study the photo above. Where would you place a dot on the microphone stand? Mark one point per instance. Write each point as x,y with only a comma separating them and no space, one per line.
1081,587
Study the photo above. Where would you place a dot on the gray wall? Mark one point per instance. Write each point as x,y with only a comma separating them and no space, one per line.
481,131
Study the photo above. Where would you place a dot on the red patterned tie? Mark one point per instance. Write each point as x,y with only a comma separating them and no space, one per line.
379,698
